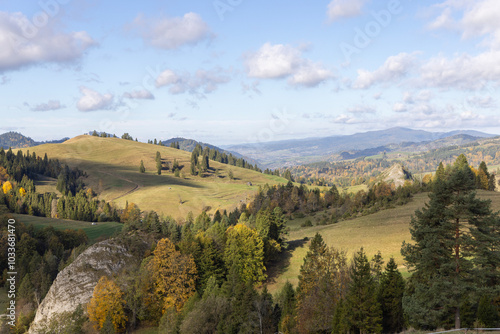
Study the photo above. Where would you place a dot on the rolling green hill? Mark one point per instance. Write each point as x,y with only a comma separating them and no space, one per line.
112,165
385,231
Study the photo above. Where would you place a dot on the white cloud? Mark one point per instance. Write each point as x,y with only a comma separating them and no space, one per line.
199,83
479,18
22,44
346,119
92,100
361,109
484,102
338,9
172,33
394,68
281,61
51,105
310,75
139,95
399,107
463,71
422,96
167,77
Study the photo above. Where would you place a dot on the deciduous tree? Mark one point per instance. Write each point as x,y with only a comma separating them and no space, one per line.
107,304
173,275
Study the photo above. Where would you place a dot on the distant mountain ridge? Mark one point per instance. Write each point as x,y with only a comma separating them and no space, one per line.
17,140
293,152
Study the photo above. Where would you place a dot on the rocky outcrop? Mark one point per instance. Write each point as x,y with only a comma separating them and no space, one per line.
75,284
396,174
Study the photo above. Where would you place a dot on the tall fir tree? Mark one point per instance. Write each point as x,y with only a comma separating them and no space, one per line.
456,238
390,296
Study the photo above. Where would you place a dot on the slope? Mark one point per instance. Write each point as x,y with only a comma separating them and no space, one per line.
112,165
385,231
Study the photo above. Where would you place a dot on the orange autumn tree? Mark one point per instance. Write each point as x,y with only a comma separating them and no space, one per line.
107,302
173,275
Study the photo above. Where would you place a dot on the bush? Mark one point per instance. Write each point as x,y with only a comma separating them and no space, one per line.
307,223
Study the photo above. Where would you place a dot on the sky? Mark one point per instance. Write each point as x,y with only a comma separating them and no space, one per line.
239,71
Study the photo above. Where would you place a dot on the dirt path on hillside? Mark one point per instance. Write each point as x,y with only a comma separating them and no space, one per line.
137,186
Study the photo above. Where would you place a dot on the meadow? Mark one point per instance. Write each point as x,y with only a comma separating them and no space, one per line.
112,166
95,232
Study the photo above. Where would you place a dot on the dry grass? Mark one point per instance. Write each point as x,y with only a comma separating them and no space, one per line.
112,165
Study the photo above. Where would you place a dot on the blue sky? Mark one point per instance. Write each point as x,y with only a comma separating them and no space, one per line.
239,71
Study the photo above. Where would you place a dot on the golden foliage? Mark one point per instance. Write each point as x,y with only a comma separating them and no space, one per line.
22,192
106,302
173,275
7,187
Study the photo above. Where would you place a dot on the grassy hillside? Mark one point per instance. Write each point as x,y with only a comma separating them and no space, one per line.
94,232
112,165
384,231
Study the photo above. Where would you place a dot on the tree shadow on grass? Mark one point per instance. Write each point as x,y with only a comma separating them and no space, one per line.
280,265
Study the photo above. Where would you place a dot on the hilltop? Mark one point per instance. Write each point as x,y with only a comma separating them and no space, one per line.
112,166
17,140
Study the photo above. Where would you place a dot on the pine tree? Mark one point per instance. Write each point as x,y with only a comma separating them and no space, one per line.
158,163
142,169
204,163
362,309
456,237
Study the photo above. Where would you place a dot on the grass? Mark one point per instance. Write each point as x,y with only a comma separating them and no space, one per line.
384,231
112,166
94,232
46,185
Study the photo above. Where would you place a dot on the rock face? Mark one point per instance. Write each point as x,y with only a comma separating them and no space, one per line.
75,284
396,174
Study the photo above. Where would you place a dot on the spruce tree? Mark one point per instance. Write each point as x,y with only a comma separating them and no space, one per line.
362,309
158,166
142,169
456,237
391,290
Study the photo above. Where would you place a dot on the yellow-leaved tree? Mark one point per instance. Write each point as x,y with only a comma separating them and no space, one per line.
6,187
107,302
22,192
173,275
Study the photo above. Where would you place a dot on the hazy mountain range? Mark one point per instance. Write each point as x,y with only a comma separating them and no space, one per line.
299,151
